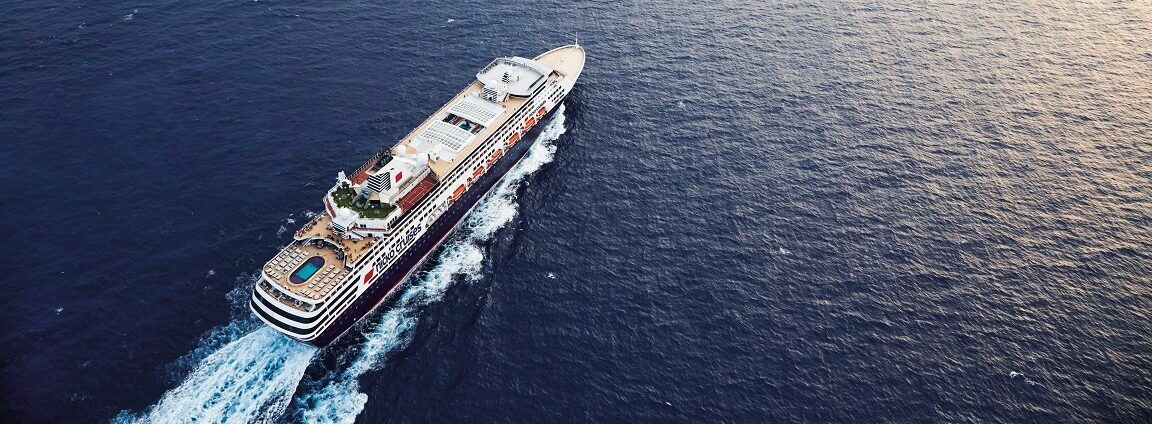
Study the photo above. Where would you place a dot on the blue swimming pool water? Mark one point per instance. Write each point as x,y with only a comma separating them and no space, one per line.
307,270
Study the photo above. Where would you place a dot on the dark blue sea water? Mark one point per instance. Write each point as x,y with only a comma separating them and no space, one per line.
786,211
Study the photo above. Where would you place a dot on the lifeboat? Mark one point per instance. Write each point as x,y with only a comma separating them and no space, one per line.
458,192
512,140
529,123
540,113
495,157
476,174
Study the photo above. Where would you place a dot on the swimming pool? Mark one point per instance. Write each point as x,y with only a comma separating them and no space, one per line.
306,270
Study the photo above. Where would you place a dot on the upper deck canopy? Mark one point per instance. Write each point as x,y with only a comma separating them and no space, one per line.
476,109
518,75
442,140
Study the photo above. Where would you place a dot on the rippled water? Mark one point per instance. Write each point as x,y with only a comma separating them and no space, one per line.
813,210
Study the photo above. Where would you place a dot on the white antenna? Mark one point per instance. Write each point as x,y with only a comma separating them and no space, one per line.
577,38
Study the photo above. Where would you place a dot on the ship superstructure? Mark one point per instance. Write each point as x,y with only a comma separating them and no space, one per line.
383,219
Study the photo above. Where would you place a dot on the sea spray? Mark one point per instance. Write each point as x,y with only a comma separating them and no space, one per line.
248,380
242,323
340,400
239,372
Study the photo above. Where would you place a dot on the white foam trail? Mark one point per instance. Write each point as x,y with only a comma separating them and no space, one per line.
248,380
341,401
240,372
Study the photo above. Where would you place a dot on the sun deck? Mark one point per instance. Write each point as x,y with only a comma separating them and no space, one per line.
318,281
518,74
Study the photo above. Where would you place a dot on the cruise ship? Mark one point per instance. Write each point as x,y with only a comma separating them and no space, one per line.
383,219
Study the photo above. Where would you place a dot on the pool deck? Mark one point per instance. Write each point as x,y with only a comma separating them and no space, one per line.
281,267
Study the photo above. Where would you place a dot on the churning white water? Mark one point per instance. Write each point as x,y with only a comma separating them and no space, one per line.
247,380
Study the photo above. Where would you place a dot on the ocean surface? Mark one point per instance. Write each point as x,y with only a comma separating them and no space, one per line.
747,212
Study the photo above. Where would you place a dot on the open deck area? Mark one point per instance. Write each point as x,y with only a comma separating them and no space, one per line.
567,60
319,228
319,280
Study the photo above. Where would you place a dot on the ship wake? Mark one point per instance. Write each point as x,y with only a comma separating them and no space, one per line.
250,379
243,376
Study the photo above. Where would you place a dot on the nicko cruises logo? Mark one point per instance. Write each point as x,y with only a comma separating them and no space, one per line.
393,252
